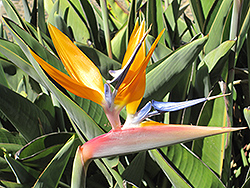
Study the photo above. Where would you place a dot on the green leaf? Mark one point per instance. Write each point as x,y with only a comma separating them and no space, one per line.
155,17
214,63
160,52
215,55
247,115
135,171
243,32
12,12
85,11
191,168
119,43
118,12
169,171
216,30
10,184
44,102
24,175
79,28
8,137
26,9
52,174
27,118
166,75
41,17
39,152
3,79
214,114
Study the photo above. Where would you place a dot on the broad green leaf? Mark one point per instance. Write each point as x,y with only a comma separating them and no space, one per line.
114,173
34,45
181,92
118,12
51,176
10,148
3,33
216,29
44,102
79,28
27,118
203,11
95,111
135,171
214,114
206,6
172,14
198,13
41,143
119,43
212,65
3,79
26,9
41,17
156,18
15,54
160,52
12,12
8,137
218,53
211,16
85,11
48,5
24,175
191,167
166,75
247,115
169,171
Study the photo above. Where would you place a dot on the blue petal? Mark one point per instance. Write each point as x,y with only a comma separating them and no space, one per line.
142,114
108,94
174,106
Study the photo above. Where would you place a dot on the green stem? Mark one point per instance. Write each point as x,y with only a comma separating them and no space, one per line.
106,27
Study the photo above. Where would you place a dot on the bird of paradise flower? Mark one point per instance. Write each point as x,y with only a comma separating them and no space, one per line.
137,133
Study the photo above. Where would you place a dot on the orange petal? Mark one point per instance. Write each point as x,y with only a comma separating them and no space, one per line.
69,83
77,64
132,89
134,40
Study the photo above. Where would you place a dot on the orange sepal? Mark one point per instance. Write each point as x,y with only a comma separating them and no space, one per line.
69,83
77,64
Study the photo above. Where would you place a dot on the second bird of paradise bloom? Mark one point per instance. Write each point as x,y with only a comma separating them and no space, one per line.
137,133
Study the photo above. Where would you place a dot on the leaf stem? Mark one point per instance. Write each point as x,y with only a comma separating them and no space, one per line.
106,27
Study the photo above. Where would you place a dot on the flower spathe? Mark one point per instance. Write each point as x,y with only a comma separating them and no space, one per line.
148,136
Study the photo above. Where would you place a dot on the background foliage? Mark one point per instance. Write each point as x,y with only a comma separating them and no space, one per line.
206,54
